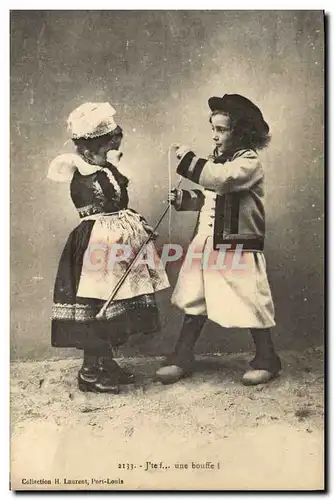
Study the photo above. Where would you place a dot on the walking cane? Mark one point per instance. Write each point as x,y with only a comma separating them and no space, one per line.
100,314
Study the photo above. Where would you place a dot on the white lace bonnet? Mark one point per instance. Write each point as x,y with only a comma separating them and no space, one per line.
87,121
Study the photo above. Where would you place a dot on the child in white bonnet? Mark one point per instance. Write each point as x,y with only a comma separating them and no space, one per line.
85,279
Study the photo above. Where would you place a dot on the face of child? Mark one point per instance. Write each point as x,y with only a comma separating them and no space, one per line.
221,131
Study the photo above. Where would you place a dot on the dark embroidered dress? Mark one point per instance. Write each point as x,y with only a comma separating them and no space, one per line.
101,196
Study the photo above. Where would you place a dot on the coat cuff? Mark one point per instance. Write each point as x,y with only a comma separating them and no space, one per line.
191,167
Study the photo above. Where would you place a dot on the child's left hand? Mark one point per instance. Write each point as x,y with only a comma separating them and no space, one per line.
181,150
149,230
114,156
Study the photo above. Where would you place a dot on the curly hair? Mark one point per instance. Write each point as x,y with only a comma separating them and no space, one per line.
246,134
95,143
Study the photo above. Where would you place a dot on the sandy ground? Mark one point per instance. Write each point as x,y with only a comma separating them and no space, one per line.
224,435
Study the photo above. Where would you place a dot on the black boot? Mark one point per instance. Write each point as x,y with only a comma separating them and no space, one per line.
179,363
91,377
183,353
111,368
266,363
89,367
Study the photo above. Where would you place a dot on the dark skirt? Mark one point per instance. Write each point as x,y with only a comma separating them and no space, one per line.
74,322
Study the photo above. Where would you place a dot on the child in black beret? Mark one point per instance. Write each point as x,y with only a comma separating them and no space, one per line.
231,217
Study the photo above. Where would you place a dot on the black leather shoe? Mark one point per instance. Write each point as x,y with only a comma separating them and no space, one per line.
89,382
111,368
107,385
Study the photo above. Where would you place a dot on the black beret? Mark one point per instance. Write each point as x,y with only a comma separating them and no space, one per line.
239,107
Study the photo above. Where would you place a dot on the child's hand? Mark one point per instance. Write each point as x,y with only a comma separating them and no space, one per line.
149,230
181,150
173,195
114,156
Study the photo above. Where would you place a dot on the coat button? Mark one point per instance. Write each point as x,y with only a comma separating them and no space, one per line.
210,225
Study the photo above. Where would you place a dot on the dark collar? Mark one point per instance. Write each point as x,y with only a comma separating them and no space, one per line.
222,158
